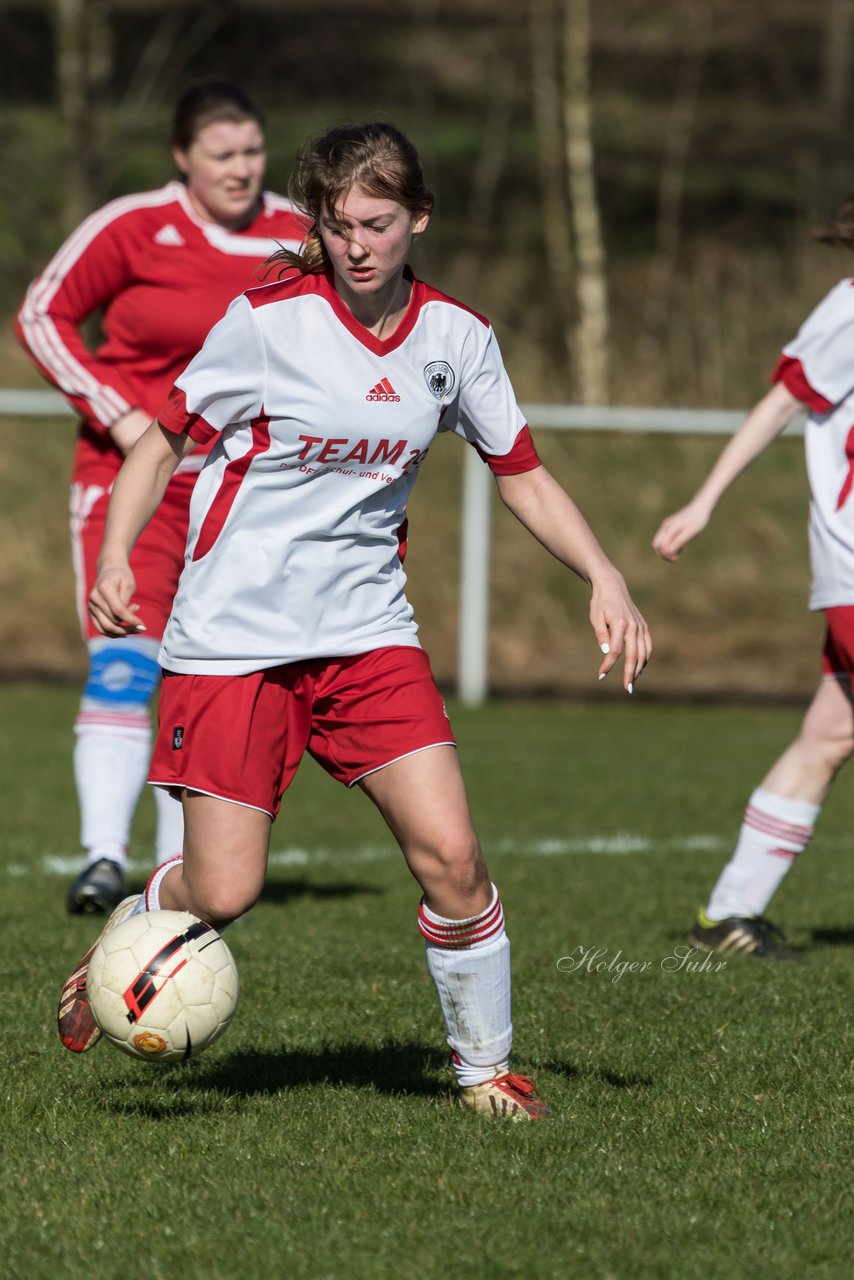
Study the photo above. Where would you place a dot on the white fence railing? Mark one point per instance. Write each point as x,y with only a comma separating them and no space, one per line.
473,643
473,638
34,404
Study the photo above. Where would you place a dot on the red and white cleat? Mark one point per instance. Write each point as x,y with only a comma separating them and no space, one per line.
77,1029
508,1095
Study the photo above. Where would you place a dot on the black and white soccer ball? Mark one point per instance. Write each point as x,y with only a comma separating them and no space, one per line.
162,986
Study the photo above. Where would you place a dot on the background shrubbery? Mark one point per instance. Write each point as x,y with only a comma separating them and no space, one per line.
721,139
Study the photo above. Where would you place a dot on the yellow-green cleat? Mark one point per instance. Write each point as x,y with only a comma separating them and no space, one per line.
740,935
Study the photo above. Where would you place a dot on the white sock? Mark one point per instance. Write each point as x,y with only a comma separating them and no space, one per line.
150,899
469,962
110,768
774,832
170,825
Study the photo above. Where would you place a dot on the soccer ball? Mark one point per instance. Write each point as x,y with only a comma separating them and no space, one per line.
162,986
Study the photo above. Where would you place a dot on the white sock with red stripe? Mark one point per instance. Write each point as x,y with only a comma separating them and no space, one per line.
774,832
110,768
150,899
469,961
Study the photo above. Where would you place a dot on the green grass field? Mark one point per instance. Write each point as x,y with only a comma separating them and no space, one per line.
703,1118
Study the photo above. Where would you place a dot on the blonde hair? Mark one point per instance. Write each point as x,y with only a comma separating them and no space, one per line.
375,157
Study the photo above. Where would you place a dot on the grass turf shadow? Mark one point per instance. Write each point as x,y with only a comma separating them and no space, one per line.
395,1068
282,892
834,936
279,892
612,1079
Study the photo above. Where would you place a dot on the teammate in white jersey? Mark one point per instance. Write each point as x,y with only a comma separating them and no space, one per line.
816,371
291,631
160,267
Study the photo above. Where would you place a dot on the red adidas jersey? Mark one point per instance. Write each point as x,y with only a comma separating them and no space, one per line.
161,277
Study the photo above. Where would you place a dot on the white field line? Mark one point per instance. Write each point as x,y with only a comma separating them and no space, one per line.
620,843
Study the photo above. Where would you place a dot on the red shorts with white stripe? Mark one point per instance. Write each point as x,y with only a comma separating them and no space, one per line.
156,560
838,657
241,738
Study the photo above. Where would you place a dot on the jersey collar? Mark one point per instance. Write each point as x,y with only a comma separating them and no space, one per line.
207,226
379,346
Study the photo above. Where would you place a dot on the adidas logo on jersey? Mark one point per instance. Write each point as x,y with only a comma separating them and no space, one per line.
169,235
382,391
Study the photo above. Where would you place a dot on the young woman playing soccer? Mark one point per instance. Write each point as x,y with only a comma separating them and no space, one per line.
816,371
161,267
291,631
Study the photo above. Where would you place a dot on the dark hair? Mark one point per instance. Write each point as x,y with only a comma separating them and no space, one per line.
375,157
841,230
211,103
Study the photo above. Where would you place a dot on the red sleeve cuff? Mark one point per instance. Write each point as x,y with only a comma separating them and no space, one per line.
522,457
790,372
174,417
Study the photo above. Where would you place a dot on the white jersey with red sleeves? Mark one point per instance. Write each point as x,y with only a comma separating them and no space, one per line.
161,276
818,368
298,517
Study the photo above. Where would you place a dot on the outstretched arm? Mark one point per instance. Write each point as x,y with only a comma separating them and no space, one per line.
763,424
546,510
139,486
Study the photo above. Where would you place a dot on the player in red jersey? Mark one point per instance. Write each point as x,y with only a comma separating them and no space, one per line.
160,267
816,372
290,630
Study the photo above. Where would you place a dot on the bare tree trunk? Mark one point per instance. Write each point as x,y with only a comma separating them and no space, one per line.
425,14
838,22
548,119
82,72
486,178
591,282
170,49
71,82
671,187
149,69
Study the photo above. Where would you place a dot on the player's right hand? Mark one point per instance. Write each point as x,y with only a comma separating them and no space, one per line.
110,605
677,530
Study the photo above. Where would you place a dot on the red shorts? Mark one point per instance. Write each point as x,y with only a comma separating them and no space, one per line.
156,560
241,738
838,658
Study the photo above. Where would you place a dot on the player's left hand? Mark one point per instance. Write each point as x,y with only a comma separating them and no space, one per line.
620,629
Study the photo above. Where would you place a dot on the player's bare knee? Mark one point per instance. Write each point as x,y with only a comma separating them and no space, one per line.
460,865
831,750
839,751
464,851
219,904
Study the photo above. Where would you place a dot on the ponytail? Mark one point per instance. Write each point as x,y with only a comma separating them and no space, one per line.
309,259
841,230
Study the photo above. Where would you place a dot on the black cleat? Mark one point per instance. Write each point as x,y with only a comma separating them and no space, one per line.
740,935
98,889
